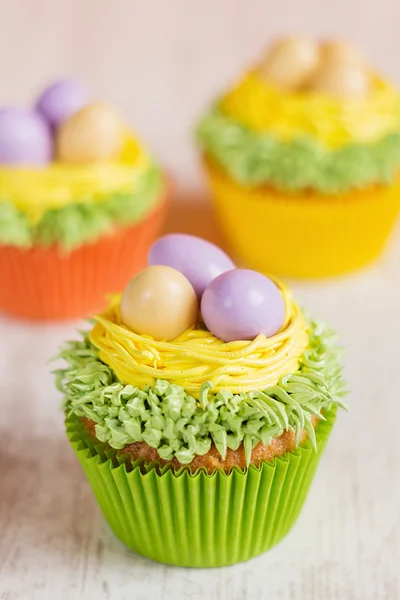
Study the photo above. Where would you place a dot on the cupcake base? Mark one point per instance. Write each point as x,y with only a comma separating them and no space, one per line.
47,283
199,520
304,234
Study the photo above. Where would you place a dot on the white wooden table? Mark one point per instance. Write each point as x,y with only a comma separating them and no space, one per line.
346,544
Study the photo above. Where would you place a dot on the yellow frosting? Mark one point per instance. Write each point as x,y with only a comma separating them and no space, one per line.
34,191
333,122
198,356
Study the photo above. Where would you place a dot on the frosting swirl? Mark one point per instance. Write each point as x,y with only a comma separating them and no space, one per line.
257,158
33,192
86,220
197,357
333,122
177,425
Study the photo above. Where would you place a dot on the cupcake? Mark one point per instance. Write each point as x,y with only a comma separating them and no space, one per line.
307,142
81,201
200,432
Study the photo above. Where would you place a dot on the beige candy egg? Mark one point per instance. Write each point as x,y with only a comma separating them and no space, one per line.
343,80
159,302
341,51
93,134
290,62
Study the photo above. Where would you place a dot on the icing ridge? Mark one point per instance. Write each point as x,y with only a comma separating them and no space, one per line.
169,419
333,122
197,357
85,219
256,158
34,191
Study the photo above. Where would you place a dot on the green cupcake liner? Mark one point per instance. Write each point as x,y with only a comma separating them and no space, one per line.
199,520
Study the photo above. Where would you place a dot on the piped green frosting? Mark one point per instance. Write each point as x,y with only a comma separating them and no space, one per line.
83,221
253,158
177,425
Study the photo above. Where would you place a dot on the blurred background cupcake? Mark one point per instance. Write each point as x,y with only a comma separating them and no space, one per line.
80,203
303,155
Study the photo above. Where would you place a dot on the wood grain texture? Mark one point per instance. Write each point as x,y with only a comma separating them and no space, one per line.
346,543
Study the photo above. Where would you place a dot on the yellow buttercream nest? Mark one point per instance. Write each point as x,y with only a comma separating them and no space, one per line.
36,190
332,121
197,356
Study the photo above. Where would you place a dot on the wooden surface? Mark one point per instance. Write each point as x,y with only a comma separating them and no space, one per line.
54,544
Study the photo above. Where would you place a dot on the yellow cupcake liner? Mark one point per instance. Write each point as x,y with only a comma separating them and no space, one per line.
303,234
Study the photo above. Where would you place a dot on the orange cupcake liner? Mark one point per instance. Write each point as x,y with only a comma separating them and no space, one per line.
49,284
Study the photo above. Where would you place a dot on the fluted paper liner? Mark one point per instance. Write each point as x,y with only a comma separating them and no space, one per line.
316,234
199,520
47,283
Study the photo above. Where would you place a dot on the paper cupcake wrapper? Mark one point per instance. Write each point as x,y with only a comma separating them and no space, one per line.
303,234
199,520
46,283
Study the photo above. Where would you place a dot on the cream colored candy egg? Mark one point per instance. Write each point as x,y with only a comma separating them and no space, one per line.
159,302
290,62
341,51
93,134
343,80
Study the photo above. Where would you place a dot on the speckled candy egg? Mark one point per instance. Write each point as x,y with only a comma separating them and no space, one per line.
61,100
343,80
241,304
93,134
159,302
199,260
290,62
25,138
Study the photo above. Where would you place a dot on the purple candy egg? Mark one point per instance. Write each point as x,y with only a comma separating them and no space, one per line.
61,100
241,304
25,138
200,261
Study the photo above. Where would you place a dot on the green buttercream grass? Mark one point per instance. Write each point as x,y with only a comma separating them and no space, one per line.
253,158
177,425
83,221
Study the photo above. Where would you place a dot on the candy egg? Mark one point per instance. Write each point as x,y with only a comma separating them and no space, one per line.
159,302
241,304
343,80
93,134
25,138
290,62
61,100
341,51
199,260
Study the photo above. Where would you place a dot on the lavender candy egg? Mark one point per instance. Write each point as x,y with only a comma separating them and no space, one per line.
25,138
199,260
241,304
61,100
